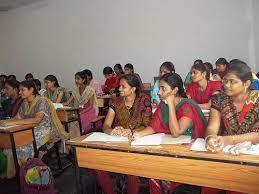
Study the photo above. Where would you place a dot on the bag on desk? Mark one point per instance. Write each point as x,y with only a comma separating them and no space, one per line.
36,178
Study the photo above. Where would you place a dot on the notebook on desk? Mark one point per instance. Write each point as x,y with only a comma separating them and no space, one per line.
149,140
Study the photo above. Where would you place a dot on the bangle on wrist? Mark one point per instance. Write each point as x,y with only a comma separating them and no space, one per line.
207,137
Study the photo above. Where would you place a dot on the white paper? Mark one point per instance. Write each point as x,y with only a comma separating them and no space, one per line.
97,136
205,111
154,139
182,139
8,127
58,105
104,96
199,145
242,148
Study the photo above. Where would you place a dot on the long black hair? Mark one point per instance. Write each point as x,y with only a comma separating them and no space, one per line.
13,83
82,75
202,68
241,70
133,81
168,65
30,84
52,78
174,80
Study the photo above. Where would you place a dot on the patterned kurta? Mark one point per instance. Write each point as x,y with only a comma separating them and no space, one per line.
233,122
53,96
137,116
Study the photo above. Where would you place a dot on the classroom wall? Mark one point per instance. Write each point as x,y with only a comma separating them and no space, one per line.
63,36
256,32
3,67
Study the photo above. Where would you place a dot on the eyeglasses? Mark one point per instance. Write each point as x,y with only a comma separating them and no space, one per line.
230,81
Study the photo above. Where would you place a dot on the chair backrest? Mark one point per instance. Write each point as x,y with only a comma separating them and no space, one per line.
147,85
100,102
156,78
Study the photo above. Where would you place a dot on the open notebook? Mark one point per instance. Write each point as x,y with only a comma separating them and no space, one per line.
154,139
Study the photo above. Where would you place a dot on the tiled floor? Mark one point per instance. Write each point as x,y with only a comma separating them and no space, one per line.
65,182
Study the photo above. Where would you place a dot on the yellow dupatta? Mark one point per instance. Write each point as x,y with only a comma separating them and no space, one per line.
86,95
54,117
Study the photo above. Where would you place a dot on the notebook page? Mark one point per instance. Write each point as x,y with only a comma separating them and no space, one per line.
98,136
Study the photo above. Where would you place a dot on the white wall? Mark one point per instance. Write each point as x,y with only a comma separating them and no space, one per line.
256,32
3,67
64,36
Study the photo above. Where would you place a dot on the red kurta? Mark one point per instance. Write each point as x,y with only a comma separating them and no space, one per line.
201,98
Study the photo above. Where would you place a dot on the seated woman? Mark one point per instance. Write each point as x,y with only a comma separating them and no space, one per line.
130,111
40,90
83,97
54,92
112,81
176,115
221,69
93,83
201,89
234,115
118,70
29,77
129,69
40,112
14,101
166,67
188,78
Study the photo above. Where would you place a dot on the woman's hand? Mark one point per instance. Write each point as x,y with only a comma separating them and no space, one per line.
136,135
120,131
217,143
213,143
169,99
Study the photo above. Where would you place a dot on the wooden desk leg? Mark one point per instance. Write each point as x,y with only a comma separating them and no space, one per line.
77,170
79,123
16,163
34,144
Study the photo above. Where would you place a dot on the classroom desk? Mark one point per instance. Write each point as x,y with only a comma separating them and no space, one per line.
169,162
16,137
68,115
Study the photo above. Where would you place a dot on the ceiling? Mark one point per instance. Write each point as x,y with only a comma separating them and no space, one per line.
6,5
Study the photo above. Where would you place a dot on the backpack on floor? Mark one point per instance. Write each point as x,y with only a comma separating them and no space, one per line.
36,178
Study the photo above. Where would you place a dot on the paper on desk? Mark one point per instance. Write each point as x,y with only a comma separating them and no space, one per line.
8,127
59,105
242,148
205,111
199,145
161,139
182,139
97,136
154,139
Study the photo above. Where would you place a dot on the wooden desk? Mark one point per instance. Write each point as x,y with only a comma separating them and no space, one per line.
68,115
16,137
172,163
103,103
